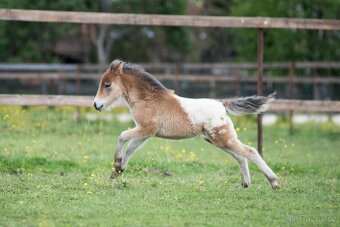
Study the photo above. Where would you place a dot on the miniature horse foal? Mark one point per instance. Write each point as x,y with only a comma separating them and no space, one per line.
159,112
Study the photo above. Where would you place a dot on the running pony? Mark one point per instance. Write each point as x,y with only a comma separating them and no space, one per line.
159,112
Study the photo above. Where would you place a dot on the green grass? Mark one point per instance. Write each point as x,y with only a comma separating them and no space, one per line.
54,172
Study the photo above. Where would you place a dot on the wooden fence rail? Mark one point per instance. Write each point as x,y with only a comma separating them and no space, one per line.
181,77
166,20
34,67
281,105
176,20
46,100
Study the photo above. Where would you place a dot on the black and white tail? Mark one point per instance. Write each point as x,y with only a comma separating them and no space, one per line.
248,105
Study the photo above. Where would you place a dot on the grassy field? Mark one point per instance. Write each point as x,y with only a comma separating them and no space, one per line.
54,172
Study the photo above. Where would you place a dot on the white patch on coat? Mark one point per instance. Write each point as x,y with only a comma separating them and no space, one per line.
207,113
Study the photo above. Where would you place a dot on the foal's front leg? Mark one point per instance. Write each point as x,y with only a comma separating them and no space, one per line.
131,148
136,132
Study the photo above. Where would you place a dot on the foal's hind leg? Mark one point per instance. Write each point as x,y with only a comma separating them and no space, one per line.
244,169
225,137
252,154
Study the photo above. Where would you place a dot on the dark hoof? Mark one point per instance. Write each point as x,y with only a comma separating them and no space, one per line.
115,174
112,176
118,163
244,185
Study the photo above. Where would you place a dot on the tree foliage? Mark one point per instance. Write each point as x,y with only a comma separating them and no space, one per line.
286,45
32,42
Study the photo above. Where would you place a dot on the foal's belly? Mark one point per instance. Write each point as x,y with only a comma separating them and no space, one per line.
175,137
178,130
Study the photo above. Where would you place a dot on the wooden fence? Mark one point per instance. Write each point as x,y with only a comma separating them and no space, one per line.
181,77
281,105
166,20
224,72
236,74
178,20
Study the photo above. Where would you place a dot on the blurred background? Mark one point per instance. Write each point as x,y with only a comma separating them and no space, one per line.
55,160
49,58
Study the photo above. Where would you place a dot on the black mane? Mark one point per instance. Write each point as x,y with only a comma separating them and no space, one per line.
140,73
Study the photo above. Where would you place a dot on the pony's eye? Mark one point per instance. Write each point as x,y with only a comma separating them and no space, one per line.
107,85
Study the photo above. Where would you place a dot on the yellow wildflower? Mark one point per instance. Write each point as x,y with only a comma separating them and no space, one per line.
5,117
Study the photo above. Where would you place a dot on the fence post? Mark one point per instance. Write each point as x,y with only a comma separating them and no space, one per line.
77,114
177,79
259,87
238,82
290,94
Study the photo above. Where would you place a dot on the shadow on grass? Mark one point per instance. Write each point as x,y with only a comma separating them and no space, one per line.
20,165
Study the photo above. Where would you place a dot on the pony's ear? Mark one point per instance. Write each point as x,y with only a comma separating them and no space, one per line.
117,66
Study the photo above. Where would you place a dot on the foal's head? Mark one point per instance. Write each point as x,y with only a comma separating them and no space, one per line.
110,88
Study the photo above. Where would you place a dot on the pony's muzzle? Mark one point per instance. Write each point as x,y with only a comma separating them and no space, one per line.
99,108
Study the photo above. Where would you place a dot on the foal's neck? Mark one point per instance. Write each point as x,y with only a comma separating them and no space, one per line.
138,91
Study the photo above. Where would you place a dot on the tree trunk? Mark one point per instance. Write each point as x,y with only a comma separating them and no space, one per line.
102,41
